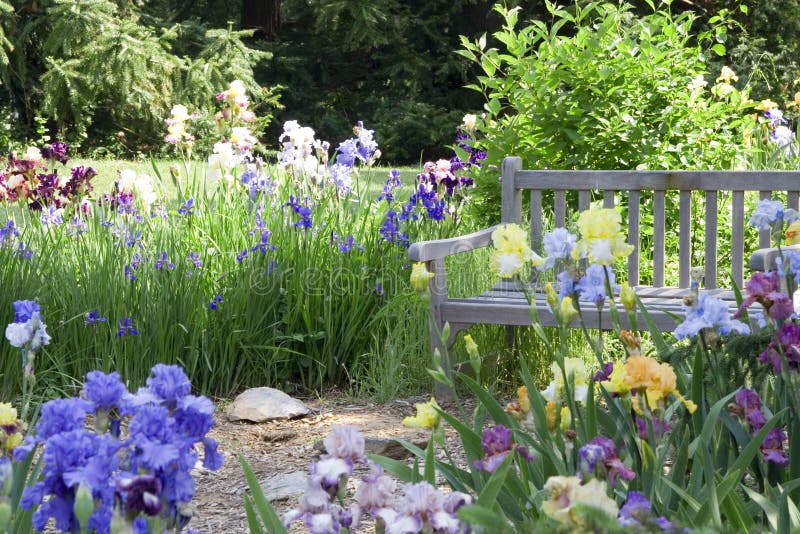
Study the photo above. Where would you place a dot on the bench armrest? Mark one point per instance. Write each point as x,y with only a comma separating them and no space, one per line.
441,248
763,259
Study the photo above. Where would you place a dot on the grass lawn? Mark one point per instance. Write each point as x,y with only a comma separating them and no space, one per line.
371,180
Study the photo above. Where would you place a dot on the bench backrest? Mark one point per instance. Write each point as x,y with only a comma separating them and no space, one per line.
515,180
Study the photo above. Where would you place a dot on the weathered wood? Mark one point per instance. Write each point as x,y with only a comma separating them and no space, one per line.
657,180
442,248
684,238
711,240
737,238
537,224
659,238
633,237
584,200
511,209
560,208
608,199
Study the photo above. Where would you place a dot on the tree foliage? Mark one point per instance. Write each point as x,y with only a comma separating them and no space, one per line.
96,71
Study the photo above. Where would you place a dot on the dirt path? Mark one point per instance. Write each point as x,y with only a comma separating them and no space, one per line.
284,447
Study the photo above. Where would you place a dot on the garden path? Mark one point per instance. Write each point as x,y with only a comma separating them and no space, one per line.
284,447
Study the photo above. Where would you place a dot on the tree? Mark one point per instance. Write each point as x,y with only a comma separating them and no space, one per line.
264,16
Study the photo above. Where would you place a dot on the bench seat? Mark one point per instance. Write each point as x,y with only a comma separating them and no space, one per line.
506,304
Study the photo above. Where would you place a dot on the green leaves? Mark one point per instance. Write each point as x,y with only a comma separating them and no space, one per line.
257,507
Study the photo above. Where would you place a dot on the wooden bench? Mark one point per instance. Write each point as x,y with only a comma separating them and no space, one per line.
506,304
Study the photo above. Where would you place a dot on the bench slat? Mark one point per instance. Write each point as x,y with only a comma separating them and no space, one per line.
567,180
560,208
764,239
584,200
684,238
537,223
791,199
608,199
737,238
658,238
711,240
633,237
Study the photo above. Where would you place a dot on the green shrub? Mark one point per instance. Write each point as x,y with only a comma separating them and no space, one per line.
600,88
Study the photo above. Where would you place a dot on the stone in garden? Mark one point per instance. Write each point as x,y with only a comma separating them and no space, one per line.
284,485
265,404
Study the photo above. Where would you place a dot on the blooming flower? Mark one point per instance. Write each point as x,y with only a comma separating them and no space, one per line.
28,331
727,75
427,415
420,277
125,328
497,445
769,213
708,312
602,240
557,244
93,317
564,492
575,370
599,458
511,251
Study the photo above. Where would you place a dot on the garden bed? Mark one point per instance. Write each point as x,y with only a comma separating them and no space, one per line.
282,447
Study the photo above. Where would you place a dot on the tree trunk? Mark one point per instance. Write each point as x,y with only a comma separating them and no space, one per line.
264,16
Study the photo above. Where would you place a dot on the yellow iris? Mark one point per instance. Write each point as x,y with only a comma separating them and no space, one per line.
427,415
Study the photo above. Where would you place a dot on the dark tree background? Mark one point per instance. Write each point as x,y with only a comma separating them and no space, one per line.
389,63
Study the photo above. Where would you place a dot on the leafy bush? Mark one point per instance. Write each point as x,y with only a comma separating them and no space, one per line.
600,88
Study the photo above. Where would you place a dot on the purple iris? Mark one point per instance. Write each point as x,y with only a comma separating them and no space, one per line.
497,444
163,261
187,208
93,317
125,328
142,493
24,310
104,391
56,151
772,447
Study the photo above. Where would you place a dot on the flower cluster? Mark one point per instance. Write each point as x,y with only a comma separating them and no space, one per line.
422,508
780,135
497,444
649,382
601,243
131,187
236,103
602,240
26,179
298,156
133,477
176,128
574,370
708,313
599,459
770,215
465,134
28,331
511,251
748,406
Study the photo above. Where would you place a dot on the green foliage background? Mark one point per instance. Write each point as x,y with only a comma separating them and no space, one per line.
86,70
